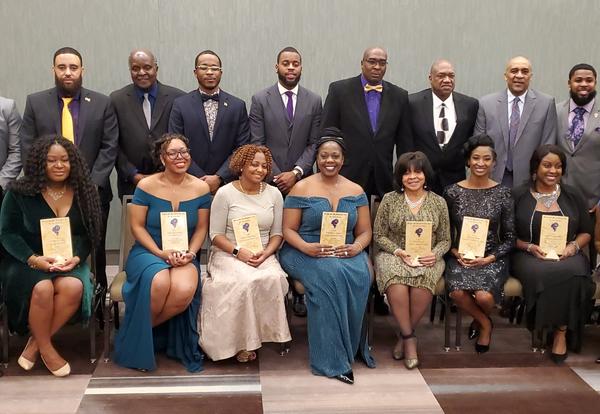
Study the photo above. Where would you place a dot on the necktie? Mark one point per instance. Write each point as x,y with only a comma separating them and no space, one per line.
515,118
214,97
147,110
441,135
67,121
577,126
376,88
290,106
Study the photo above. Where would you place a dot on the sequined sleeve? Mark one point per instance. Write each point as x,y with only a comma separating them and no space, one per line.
507,225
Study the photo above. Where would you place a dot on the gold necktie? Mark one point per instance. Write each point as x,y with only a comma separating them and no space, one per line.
376,88
67,121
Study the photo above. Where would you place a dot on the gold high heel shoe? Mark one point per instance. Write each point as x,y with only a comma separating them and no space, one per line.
61,372
410,363
23,362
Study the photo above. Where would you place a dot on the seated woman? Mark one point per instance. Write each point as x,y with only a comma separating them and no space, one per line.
476,285
336,278
557,293
162,291
409,286
243,295
42,293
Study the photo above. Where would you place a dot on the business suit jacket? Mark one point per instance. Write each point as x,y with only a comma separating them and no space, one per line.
583,162
10,148
97,131
291,143
369,153
536,127
135,138
231,131
447,162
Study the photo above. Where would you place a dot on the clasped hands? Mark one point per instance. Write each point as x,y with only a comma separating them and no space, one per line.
50,264
251,259
177,258
568,251
424,261
327,250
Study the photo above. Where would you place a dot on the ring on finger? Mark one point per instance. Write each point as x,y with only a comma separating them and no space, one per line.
346,253
322,249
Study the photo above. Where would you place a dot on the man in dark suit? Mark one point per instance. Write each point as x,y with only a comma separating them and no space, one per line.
286,117
10,148
143,109
374,116
442,120
85,117
215,122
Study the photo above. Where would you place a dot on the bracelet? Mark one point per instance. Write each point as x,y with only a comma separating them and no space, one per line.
30,261
574,243
360,244
192,253
529,247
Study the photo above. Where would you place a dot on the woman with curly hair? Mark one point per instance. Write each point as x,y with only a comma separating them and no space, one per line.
42,292
162,291
243,294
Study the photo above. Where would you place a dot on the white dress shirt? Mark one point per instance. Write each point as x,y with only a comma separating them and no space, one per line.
511,98
285,98
450,113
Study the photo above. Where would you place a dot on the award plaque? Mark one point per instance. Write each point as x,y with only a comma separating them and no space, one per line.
333,228
553,235
247,234
418,239
56,238
173,231
473,237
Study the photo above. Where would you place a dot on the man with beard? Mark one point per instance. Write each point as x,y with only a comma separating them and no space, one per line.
286,117
215,122
442,120
143,109
83,116
519,120
579,134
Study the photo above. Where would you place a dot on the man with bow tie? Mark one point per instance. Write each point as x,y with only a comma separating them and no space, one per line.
373,115
215,122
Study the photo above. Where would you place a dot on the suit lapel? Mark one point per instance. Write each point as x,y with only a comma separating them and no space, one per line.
222,112
502,111
301,109
56,116
384,107
134,103
528,106
85,102
563,123
592,123
460,109
357,97
427,111
159,106
276,106
198,105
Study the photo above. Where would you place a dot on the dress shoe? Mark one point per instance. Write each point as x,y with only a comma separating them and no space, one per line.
410,363
398,351
598,360
482,349
299,306
559,358
473,330
347,378
61,372
23,362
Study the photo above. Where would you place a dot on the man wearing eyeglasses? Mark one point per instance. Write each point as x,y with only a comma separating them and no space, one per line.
373,115
215,122
442,120
143,109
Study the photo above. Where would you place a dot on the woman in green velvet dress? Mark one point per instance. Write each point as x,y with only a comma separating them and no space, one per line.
43,293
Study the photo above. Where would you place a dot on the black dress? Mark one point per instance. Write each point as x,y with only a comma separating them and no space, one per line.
496,205
557,293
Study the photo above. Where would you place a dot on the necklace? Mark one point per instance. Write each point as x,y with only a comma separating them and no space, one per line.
261,188
547,199
414,204
56,195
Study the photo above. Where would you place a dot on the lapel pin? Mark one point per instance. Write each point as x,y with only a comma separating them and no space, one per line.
596,115
225,104
87,99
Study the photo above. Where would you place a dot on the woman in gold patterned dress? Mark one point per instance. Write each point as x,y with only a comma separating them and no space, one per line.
408,284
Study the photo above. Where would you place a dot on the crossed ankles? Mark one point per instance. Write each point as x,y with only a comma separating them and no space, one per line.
27,359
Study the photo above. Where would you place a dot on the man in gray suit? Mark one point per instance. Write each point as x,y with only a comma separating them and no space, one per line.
286,118
579,134
519,120
10,150
143,108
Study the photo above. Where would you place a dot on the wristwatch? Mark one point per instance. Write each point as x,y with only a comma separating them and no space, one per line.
297,173
235,251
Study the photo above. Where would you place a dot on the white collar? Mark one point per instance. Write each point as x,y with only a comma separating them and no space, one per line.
511,97
437,102
283,90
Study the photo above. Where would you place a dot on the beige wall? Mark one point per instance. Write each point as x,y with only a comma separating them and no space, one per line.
478,36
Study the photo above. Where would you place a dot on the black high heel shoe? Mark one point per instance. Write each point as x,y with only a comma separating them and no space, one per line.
347,378
560,358
473,330
482,349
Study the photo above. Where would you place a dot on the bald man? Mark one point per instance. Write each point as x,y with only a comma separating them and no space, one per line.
143,109
373,116
442,120
519,120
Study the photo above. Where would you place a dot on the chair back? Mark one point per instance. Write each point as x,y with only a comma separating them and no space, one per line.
127,239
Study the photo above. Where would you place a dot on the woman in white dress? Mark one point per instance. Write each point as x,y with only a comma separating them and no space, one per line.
243,293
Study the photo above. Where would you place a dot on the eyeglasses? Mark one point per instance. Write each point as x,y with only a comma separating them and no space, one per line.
205,68
172,155
374,62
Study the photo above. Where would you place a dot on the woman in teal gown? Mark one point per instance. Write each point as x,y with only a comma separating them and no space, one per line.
337,279
162,291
